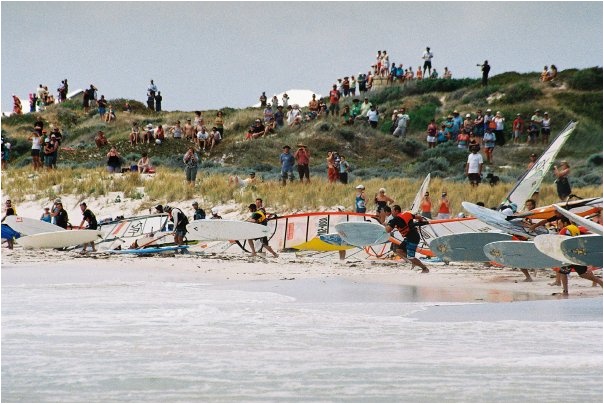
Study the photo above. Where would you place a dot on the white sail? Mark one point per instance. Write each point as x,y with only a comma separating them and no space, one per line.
531,180
416,207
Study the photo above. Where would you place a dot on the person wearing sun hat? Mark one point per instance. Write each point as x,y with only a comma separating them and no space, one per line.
302,156
360,199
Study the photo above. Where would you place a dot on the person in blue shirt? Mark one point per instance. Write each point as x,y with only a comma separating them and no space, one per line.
457,123
287,164
46,217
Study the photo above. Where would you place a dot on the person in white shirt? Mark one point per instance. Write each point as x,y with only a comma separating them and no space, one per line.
373,116
401,124
427,56
474,166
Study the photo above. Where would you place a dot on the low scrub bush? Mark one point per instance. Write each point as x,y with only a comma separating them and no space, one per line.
518,93
584,104
587,79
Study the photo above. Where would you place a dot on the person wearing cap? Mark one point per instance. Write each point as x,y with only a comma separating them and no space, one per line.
215,214
360,200
382,200
49,151
287,161
198,213
148,135
256,130
517,128
302,156
468,124
536,123
259,217
546,127
499,120
402,123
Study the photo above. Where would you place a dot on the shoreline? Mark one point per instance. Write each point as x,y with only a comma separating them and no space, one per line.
457,282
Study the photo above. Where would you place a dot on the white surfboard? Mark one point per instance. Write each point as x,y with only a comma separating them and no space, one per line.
580,221
585,249
27,226
59,239
362,234
519,254
465,246
549,244
224,230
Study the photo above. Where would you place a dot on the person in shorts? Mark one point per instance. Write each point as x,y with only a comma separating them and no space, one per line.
407,223
259,217
474,166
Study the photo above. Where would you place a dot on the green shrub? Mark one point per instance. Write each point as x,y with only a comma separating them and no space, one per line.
518,93
595,160
25,119
587,79
584,104
436,166
422,115
118,105
512,78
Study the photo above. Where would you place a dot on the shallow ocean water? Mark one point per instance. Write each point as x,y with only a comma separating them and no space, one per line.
291,340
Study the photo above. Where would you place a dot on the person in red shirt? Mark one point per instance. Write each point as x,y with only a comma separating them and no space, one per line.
302,156
334,101
444,209
518,128
426,206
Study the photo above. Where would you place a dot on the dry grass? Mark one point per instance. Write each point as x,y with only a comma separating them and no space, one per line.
170,186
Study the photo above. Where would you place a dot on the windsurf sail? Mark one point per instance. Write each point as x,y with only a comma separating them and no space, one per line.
532,178
416,206
135,226
297,230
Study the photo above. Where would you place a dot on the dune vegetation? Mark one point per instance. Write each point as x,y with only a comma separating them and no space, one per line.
377,158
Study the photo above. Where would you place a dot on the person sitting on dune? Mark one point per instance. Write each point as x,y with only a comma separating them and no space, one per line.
255,131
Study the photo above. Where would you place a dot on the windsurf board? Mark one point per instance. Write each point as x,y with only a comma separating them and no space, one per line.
549,244
498,220
465,246
580,221
319,244
362,234
224,230
149,250
27,226
519,254
585,249
59,239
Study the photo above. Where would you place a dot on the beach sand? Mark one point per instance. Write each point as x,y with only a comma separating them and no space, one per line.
458,282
